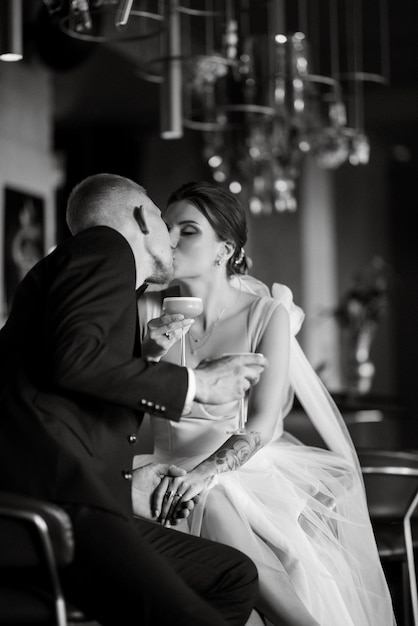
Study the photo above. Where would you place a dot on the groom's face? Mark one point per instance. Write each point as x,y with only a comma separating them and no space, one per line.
157,244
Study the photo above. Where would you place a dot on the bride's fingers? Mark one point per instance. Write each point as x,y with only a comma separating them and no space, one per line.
165,335
182,512
175,330
166,507
165,319
171,500
158,496
172,513
167,498
183,503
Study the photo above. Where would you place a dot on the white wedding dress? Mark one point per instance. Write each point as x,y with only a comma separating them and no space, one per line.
297,511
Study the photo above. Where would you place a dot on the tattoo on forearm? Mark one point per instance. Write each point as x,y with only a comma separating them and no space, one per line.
239,450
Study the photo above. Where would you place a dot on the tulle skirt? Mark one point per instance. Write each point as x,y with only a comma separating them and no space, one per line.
298,511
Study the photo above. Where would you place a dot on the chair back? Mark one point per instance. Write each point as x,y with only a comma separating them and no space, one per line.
35,538
391,482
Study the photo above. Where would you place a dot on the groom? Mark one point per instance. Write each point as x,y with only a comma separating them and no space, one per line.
73,389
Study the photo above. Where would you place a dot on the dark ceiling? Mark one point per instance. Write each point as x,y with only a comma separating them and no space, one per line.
96,85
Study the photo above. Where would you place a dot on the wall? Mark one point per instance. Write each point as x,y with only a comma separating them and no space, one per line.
319,253
362,206
27,163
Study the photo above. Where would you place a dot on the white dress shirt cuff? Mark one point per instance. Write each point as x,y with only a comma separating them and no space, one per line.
191,392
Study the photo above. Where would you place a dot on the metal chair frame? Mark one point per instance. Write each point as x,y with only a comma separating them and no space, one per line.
47,551
408,472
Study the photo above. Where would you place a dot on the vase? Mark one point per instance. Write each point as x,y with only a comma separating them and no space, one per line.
359,369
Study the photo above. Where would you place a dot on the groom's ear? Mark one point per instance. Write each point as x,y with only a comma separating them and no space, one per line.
139,216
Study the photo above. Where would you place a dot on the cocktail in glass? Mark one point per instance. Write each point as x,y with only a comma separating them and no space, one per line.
187,306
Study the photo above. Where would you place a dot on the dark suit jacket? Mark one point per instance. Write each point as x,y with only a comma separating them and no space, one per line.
73,387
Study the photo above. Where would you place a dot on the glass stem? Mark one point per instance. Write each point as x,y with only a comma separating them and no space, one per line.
183,351
242,414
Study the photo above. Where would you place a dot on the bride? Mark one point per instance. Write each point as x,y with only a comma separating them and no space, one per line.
299,512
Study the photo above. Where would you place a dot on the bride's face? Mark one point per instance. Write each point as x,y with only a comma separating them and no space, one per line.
194,242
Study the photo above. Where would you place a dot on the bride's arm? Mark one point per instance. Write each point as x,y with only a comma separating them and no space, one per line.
268,397
265,403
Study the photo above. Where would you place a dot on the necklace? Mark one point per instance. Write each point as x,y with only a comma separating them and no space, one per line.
198,342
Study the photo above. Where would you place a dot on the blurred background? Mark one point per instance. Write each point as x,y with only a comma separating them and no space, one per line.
307,110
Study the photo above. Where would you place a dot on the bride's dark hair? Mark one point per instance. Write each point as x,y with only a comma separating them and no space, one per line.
223,212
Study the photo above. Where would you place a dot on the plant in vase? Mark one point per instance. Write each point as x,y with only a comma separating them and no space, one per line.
360,310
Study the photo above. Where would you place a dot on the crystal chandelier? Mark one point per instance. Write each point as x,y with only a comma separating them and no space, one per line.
266,82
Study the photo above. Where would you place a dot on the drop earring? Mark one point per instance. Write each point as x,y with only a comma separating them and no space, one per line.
217,261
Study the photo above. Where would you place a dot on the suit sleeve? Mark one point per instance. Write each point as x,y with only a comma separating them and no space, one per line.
90,328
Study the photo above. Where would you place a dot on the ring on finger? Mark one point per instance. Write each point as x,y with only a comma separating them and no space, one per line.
170,494
168,335
178,495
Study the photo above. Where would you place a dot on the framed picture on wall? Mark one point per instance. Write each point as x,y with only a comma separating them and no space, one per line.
23,234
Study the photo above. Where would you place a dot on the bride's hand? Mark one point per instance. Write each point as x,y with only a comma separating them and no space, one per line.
178,495
162,333
146,480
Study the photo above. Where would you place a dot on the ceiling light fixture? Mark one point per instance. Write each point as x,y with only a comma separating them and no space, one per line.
11,27
266,83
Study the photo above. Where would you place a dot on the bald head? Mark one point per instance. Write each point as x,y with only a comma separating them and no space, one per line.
101,200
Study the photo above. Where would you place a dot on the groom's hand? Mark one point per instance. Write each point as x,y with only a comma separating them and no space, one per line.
227,378
145,481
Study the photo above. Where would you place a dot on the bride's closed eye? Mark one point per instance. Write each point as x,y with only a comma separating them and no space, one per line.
185,230
189,230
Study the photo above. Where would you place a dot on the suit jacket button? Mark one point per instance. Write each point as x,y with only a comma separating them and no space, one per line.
127,474
132,438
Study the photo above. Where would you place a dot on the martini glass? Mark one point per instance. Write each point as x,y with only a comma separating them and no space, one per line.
187,306
243,407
